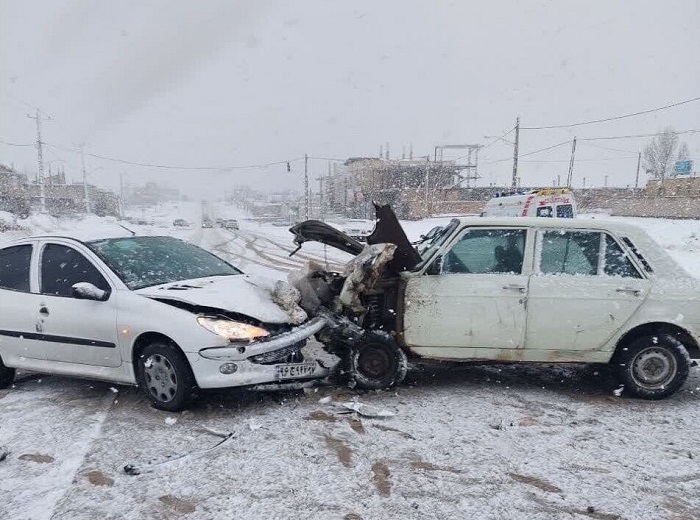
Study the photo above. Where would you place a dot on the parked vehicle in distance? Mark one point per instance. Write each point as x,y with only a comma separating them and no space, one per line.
553,203
359,229
154,311
507,290
180,222
207,222
230,224
219,221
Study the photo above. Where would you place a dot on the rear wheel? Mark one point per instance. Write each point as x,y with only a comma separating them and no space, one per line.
165,376
7,375
376,361
653,367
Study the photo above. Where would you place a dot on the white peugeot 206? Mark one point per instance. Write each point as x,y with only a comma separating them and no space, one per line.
153,311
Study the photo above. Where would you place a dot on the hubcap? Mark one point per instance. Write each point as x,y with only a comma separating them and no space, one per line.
161,378
374,362
654,367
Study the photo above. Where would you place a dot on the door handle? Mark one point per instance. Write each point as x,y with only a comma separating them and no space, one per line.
515,287
43,310
628,290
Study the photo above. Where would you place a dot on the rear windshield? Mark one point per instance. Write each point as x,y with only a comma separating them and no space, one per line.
147,261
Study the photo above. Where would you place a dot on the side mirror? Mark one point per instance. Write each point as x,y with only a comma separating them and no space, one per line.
87,291
436,266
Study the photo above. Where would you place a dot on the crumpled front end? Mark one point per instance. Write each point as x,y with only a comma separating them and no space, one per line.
272,360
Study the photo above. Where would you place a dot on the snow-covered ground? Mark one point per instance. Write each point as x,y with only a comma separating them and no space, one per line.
465,442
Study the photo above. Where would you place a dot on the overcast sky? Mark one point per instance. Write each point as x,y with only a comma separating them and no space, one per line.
229,83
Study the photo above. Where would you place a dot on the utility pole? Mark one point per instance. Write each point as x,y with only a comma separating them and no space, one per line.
639,163
40,158
86,193
571,164
514,183
121,193
306,186
427,185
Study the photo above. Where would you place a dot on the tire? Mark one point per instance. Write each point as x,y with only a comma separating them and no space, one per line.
652,367
376,362
7,375
165,375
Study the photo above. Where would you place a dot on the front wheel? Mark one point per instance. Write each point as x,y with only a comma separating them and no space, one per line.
653,367
376,362
7,375
165,375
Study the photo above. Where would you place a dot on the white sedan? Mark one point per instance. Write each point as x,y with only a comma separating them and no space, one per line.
153,311
509,290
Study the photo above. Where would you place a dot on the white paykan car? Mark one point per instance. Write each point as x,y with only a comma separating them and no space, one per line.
507,290
152,311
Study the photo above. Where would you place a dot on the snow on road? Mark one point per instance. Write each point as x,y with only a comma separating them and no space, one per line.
466,442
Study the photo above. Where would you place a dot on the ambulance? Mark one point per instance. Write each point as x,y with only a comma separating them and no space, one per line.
552,203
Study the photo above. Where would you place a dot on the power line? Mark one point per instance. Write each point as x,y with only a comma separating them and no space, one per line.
16,144
614,118
636,136
530,153
608,148
175,167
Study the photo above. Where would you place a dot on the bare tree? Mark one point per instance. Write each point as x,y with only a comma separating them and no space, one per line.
659,152
683,152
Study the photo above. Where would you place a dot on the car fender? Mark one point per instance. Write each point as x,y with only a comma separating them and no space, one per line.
137,315
657,311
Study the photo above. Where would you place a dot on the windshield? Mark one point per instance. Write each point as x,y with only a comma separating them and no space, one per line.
428,248
146,261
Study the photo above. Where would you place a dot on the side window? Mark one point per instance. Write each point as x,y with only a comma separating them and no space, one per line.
616,261
483,251
565,211
570,252
63,266
14,267
545,211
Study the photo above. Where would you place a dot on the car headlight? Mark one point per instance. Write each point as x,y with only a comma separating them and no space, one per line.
232,330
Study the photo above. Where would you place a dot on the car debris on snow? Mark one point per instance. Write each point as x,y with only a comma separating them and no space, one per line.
365,410
153,464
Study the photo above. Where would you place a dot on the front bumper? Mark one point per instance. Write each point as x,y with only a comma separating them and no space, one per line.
206,364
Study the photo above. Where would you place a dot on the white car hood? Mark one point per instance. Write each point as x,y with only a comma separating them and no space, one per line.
263,299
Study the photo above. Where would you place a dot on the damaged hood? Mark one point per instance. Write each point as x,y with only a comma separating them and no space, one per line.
268,301
317,231
388,230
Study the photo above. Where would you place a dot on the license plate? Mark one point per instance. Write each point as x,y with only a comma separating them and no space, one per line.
294,370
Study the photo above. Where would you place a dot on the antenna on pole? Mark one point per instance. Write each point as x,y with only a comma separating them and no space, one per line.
40,158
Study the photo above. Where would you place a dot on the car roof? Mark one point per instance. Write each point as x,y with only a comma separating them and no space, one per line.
24,240
564,223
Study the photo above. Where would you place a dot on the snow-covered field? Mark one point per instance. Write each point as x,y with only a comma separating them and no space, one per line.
465,442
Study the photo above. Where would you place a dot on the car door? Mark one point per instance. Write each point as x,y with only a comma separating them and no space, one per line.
75,330
584,288
475,301
18,335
